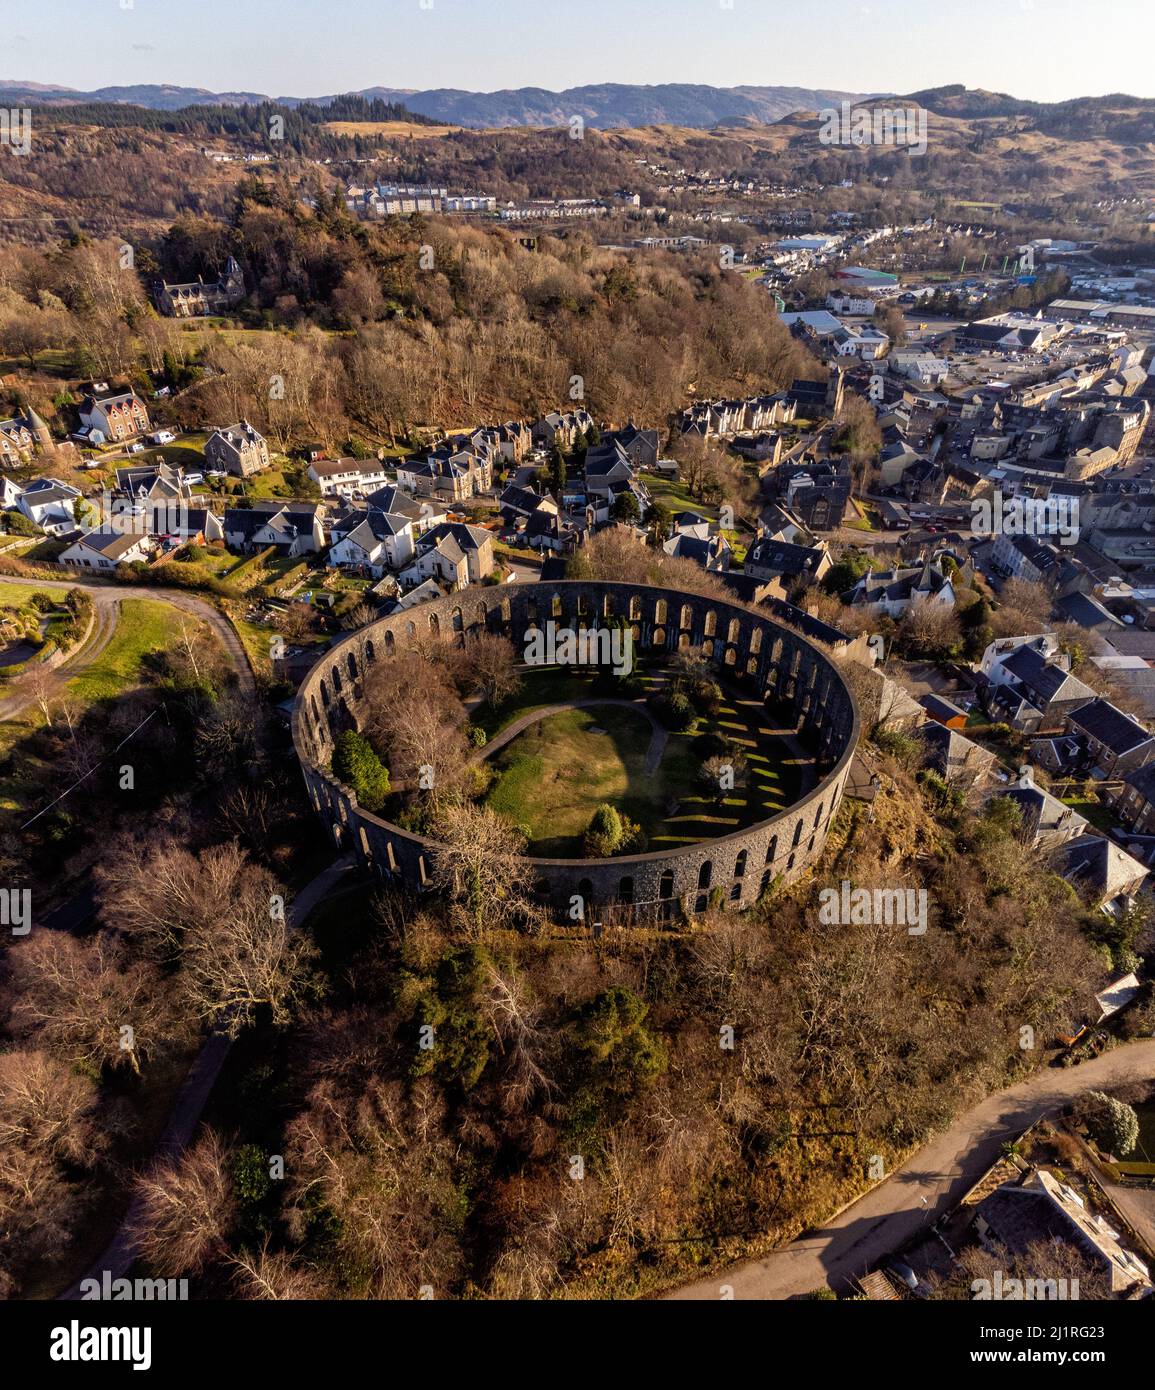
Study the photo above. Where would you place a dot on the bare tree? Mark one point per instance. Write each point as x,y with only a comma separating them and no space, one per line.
272,1274
223,917
87,1002
40,685
479,866
185,1209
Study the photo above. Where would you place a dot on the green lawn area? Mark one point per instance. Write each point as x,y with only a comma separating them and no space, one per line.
15,593
212,561
544,685
552,777
555,774
283,478
1093,810
676,497
144,626
255,639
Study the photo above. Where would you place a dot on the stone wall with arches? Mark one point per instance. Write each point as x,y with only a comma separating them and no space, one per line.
770,661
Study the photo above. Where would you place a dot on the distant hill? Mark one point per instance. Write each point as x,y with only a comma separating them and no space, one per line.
619,106
605,106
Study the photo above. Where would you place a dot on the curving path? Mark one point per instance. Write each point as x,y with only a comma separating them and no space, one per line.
106,601
927,1185
658,738
118,1256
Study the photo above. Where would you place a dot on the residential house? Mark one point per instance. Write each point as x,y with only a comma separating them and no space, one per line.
520,502
451,476
201,297
1134,800
1115,743
1020,1216
196,524
154,482
372,541
961,761
1002,648
640,445
49,504
344,477
893,462
1035,692
20,437
1103,871
454,553
294,528
1022,557
690,524
558,429
889,593
110,417
546,529
866,343
1047,822
104,550
771,559
711,552
239,449
424,514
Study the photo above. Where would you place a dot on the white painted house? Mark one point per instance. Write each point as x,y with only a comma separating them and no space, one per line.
374,541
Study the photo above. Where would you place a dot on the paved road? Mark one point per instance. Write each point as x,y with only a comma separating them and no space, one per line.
185,1115
941,1172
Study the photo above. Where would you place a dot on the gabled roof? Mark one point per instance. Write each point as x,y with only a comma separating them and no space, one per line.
1143,781
1109,726
941,709
111,544
465,537
1044,680
1044,814
393,499
781,557
946,748
1099,864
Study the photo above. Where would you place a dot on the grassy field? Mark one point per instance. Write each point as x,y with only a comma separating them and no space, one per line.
555,774
675,497
16,593
144,626
552,777
391,129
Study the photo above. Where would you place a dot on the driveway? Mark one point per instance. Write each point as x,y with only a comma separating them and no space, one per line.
924,1188
106,600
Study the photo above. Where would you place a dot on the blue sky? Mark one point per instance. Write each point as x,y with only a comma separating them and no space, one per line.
1044,49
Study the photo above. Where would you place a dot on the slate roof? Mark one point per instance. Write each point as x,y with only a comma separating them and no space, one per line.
393,499
1043,679
1109,726
941,709
1094,861
1044,814
781,557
